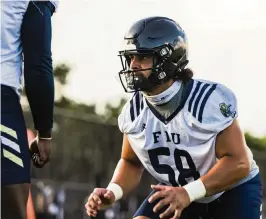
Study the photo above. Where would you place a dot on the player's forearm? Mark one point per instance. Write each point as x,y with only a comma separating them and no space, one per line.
127,175
224,174
40,94
38,69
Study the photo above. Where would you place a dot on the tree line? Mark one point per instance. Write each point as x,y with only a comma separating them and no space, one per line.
61,74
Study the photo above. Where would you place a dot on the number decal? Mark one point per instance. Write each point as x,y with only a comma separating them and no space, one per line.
166,169
162,168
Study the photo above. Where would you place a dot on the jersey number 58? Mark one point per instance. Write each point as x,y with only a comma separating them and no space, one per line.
184,173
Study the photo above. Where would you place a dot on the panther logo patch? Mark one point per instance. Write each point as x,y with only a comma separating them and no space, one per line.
226,111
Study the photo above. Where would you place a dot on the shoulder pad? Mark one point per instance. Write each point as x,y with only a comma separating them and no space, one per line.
212,106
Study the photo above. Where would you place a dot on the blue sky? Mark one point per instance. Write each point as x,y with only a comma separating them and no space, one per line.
226,44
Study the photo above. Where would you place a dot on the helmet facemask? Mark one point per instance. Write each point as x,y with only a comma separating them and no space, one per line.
132,81
164,40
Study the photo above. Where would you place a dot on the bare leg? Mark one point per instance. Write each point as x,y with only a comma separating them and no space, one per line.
14,201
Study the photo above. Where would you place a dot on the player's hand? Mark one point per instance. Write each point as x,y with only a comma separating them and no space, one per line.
40,150
176,197
99,199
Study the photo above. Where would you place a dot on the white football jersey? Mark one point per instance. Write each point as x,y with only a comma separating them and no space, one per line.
12,13
181,148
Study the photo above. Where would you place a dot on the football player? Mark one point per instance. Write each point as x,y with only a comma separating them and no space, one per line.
25,29
183,131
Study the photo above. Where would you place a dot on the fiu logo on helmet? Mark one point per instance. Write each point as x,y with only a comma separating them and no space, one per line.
226,111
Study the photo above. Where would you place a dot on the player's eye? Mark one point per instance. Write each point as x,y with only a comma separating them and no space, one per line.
131,57
146,57
138,58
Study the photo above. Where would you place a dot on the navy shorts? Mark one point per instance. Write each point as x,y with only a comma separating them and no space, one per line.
241,202
15,157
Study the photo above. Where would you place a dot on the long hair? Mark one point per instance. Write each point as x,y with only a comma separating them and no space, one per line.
185,75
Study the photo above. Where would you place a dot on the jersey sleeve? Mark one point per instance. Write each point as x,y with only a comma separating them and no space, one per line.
128,120
218,111
124,119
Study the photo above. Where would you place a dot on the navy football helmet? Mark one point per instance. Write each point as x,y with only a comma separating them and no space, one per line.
161,38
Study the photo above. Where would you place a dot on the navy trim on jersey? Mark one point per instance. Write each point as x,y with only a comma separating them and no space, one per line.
199,92
132,116
142,104
136,105
194,95
198,99
185,96
204,101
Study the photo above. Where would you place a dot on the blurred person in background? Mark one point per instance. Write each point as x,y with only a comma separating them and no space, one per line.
44,202
183,131
26,33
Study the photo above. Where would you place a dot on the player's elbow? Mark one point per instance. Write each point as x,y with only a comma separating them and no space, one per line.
243,168
244,164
